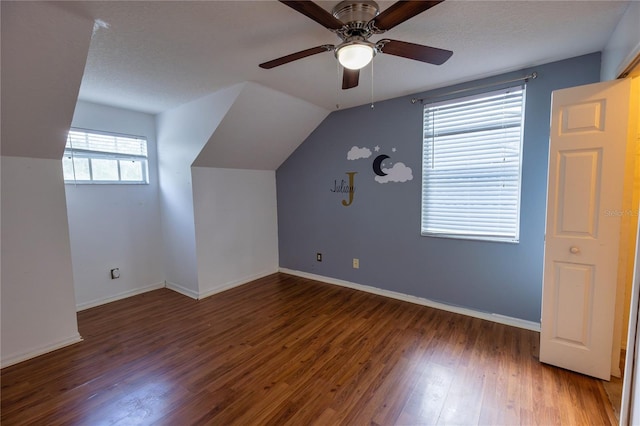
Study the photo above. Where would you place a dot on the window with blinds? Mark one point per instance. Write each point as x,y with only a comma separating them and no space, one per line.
97,157
471,166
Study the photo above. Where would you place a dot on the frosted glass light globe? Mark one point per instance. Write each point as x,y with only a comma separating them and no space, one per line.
354,56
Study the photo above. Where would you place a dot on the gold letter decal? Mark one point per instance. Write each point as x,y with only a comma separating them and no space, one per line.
351,189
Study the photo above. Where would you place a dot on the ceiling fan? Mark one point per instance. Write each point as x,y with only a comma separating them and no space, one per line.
354,21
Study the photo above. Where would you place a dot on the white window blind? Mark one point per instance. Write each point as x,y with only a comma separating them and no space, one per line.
96,157
471,166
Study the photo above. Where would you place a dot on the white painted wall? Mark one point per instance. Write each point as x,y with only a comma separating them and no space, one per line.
246,126
236,226
182,132
234,190
38,304
44,50
115,226
623,45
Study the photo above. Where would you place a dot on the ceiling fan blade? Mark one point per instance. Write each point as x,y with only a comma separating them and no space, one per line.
399,12
315,12
295,56
417,52
350,78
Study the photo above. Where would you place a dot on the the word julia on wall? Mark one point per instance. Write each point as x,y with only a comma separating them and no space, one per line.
345,188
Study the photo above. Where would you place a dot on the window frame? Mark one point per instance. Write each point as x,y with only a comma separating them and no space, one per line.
72,153
453,232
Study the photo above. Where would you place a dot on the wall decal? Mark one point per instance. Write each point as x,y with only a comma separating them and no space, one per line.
377,163
345,188
398,173
356,153
385,170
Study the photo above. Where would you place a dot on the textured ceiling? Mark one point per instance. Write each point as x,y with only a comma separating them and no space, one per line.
156,55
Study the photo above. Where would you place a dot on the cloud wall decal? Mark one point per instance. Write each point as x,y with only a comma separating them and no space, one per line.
398,173
356,153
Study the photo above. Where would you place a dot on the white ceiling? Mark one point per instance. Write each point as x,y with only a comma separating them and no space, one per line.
157,55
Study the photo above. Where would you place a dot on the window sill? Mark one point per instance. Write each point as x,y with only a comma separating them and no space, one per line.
472,238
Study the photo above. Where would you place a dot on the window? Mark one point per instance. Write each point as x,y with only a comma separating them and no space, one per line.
471,164
93,157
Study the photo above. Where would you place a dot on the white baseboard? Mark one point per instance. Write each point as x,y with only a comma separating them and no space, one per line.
123,295
14,359
236,283
182,290
502,319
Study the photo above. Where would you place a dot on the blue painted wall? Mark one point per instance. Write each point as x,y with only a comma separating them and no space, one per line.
382,225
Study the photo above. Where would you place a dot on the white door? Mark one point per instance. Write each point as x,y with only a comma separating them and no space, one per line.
584,202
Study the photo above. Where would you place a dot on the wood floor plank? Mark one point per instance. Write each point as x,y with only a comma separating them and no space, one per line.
285,350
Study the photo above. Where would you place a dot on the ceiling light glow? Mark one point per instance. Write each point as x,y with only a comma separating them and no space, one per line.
355,55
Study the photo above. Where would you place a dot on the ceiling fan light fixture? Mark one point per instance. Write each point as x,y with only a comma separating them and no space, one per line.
355,55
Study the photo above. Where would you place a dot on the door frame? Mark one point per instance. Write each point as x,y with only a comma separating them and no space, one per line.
632,359
633,353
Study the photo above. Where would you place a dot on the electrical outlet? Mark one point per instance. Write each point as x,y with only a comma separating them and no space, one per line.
356,263
319,257
115,273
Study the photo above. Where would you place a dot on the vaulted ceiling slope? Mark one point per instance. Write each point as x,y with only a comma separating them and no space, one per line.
245,126
44,49
260,130
154,56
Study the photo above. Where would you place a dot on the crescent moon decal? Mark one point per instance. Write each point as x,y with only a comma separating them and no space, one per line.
377,163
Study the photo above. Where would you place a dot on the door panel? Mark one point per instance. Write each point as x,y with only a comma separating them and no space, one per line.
586,171
577,210
582,117
574,286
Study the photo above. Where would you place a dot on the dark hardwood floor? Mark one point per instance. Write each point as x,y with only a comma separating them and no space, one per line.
286,350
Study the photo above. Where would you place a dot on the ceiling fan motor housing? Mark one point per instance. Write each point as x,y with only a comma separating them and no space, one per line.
356,16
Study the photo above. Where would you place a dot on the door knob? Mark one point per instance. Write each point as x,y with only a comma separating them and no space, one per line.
574,250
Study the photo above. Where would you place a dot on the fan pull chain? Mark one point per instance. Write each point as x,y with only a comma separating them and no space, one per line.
337,85
372,105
